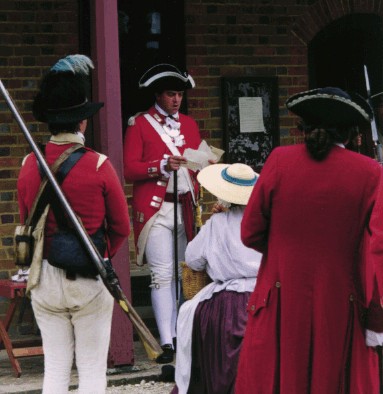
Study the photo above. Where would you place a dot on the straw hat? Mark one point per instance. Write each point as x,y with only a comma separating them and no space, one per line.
230,182
330,107
166,77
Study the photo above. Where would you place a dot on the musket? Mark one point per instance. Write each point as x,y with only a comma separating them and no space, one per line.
104,266
175,233
374,131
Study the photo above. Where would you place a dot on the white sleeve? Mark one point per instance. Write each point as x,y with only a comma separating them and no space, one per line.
374,338
195,256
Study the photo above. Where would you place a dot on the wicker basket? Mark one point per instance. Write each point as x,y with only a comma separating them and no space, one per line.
193,281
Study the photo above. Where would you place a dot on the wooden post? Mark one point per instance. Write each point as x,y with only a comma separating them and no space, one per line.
108,139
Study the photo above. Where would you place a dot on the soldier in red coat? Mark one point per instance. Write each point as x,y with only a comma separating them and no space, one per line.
74,312
309,214
154,143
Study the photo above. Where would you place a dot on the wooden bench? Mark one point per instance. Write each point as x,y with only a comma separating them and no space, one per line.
14,291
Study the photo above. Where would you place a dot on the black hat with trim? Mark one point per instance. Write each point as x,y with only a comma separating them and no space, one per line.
330,107
166,77
63,93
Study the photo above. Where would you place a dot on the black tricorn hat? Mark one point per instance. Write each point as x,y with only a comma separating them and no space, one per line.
166,77
63,93
330,107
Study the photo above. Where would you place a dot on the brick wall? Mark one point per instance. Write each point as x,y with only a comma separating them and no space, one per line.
33,35
255,38
242,38
223,38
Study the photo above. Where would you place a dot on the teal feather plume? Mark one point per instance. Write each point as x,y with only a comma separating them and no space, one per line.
77,64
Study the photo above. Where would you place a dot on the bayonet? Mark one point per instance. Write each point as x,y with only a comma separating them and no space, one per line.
374,130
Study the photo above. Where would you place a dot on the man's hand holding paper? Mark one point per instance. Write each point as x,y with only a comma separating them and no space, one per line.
202,157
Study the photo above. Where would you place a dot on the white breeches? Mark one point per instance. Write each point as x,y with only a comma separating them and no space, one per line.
160,257
159,248
74,317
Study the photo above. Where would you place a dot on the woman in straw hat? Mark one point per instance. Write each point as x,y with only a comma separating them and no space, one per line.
309,214
211,325
73,312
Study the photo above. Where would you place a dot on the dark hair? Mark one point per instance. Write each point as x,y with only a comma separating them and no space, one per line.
168,83
57,128
320,140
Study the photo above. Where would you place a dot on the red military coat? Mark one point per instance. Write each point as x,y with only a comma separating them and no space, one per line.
306,331
143,151
92,188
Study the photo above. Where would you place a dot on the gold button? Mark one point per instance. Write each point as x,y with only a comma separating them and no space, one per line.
252,307
278,284
351,298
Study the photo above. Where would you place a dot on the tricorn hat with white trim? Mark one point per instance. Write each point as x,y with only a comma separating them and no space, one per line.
330,107
166,77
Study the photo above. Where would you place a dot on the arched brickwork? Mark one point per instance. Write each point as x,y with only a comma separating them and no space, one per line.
323,12
306,26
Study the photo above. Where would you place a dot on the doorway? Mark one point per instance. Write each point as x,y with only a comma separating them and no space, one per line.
150,32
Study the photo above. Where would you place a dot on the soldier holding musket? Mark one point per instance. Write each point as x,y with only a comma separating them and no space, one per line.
73,310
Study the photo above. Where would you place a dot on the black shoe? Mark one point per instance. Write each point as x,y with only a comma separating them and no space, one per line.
167,374
167,355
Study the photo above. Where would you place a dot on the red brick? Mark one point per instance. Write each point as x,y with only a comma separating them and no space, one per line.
275,47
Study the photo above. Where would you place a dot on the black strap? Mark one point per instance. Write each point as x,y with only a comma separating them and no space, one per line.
69,164
61,219
66,166
45,192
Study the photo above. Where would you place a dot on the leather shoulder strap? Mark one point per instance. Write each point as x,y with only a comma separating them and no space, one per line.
40,201
165,138
62,172
68,164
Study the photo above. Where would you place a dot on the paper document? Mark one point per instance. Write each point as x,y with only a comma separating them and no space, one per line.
199,158
217,152
251,115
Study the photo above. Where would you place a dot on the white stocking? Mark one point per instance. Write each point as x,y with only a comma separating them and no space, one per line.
163,307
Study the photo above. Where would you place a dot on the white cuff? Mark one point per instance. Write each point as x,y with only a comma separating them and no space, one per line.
374,338
163,164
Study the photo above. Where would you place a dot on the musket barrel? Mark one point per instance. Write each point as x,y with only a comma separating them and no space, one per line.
367,81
